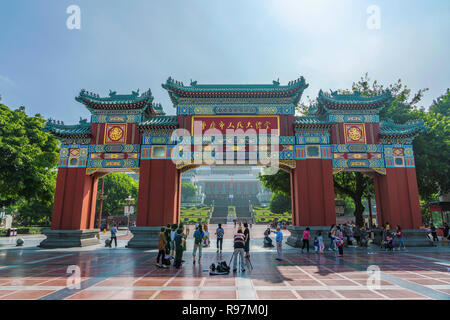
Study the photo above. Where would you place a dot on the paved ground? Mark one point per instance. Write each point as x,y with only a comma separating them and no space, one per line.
122,273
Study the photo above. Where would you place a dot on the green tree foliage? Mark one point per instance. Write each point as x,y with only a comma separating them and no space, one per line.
27,165
188,191
279,182
280,203
118,186
432,150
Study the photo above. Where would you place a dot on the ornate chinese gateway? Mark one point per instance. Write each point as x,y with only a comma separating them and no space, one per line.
222,125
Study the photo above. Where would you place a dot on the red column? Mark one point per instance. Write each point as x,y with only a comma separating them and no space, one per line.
312,192
75,200
159,193
397,198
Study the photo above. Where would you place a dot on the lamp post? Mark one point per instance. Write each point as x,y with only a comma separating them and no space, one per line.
128,210
101,197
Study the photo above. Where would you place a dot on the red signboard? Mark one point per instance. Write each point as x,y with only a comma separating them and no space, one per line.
229,124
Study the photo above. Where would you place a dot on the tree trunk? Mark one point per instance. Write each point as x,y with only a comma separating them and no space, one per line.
359,210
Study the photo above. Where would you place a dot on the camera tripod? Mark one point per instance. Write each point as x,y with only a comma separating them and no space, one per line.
247,260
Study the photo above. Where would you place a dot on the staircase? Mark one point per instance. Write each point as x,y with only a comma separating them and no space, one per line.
243,214
219,214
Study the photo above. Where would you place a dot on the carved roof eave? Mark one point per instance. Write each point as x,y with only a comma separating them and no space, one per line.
409,130
132,102
177,90
145,128
348,103
159,122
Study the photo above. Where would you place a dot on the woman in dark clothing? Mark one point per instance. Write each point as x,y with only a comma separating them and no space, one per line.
247,240
446,231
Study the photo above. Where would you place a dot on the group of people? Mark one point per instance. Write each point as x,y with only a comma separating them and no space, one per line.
171,240
445,232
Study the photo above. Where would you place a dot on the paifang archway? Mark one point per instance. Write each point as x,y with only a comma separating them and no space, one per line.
130,132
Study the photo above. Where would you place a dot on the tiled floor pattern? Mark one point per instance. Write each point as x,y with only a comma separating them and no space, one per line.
131,274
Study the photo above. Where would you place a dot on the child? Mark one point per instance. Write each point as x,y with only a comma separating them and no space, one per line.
306,236
316,244
321,244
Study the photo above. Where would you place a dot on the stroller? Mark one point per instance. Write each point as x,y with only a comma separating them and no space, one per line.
388,242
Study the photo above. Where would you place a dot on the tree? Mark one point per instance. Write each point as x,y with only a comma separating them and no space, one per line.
280,203
188,191
28,163
118,186
279,182
432,150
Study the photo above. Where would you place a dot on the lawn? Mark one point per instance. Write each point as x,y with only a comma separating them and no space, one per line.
263,215
191,215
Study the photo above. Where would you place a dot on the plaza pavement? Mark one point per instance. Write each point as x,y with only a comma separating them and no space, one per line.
30,272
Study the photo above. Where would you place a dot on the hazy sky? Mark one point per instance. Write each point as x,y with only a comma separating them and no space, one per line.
125,45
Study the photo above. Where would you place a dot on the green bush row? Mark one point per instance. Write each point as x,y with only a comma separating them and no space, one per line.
24,230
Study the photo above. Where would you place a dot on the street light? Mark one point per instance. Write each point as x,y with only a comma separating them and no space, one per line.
129,209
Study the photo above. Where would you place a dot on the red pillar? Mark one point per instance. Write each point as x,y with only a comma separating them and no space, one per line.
75,200
312,192
397,198
159,193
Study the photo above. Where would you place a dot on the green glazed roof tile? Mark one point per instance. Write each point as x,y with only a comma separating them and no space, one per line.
177,90
58,128
156,121
410,128
355,101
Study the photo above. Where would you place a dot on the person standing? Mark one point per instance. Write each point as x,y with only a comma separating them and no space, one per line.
162,248
173,233
332,235
306,236
167,236
247,240
198,241
340,241
399,235
279,241
179,244
113,235
219,233
239,244
321,244
206,237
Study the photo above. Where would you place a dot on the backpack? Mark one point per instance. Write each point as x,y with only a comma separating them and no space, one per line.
219,233
166,262
222,267
198,237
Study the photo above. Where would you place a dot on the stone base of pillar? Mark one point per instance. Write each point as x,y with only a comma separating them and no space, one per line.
411,237
144,237
70,238
295,239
